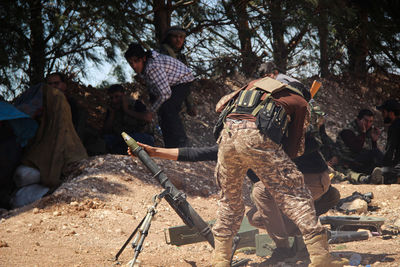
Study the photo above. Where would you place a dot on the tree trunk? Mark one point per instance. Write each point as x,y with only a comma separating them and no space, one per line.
249,58
358,46
37,44
280,53
162,18
323,39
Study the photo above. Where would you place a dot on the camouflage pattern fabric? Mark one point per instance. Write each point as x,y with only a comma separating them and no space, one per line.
241,149
267,215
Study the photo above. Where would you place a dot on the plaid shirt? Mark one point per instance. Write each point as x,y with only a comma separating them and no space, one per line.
161,73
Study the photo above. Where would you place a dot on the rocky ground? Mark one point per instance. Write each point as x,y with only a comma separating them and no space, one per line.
87,220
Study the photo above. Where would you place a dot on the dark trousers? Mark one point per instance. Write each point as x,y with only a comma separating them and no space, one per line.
367,160
171,124
391,174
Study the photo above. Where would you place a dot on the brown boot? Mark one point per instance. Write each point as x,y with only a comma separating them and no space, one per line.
222,252
319,252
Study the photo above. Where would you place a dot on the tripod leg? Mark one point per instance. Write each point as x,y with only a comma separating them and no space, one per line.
128,240
144,230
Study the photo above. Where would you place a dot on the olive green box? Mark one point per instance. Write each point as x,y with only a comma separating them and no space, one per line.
183,235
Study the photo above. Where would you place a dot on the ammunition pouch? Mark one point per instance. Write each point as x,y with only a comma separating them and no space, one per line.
244,103
219,125
272,120
247,101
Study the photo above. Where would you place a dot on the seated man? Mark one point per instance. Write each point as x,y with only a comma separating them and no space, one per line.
89,136
357,148
125,115
79,115
56,144
391,161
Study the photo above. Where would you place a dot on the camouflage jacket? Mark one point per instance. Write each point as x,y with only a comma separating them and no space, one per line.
346,149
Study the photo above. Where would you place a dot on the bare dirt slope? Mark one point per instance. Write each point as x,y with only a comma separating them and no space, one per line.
90,216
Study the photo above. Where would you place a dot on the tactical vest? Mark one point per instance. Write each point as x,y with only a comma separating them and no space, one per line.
256,103
345,153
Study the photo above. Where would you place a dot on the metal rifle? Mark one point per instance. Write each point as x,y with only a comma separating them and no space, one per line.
175,198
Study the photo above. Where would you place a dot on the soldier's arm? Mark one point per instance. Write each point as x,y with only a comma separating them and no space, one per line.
158,152
182,153
198,153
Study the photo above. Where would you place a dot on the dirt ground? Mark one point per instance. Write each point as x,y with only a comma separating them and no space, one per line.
87,219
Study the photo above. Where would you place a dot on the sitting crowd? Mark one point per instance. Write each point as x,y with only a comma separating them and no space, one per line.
356,153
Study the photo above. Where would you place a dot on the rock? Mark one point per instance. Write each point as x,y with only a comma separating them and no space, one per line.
397,223
357,205
128,211
3,244
74,203
119,231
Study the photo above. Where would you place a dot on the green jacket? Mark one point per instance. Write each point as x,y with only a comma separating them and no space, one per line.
347,153
169,51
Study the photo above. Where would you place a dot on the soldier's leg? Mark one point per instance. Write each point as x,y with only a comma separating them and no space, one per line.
270,218
317,183
269,215
285,183
229,175
171,124
391,175
327,201
325,196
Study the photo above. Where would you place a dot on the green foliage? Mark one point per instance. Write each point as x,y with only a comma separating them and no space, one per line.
39,37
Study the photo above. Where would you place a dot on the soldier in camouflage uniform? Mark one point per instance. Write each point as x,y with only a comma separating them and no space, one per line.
267,215
357,148
243,146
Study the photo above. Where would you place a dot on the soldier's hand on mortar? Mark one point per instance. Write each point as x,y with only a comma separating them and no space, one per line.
149,149
130,152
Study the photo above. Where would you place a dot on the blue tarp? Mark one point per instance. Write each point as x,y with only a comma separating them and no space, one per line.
23,125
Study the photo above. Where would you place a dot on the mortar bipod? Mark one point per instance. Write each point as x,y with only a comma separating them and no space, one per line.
141,231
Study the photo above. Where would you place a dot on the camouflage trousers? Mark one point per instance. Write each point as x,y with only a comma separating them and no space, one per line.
241,148
267,215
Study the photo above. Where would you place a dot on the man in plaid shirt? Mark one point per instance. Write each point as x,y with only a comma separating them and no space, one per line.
168,81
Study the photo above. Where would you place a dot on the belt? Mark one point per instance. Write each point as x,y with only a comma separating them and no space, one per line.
240,124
